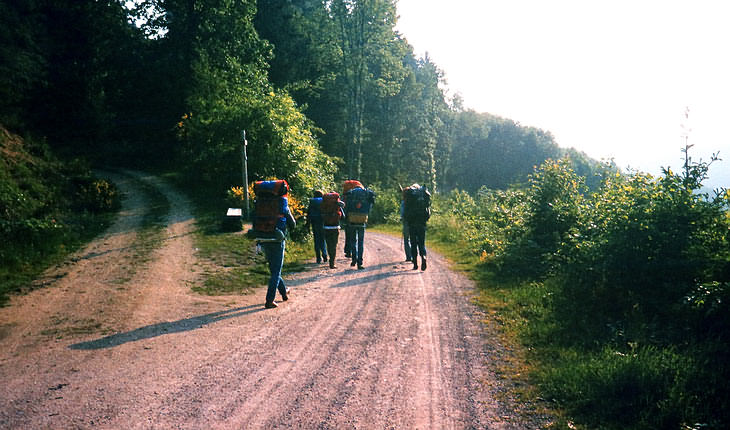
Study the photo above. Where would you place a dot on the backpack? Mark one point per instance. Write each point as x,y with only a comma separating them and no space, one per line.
350,184
314,212
358,202
274,187
330,209
269,213
270,208
417,205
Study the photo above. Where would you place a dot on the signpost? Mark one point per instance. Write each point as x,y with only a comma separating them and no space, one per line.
244,168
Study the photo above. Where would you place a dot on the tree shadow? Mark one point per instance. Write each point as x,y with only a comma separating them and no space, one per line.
342,270
164,328
366,279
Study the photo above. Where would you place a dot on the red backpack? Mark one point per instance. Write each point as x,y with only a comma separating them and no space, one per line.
270,206
330,209
275,187
350,184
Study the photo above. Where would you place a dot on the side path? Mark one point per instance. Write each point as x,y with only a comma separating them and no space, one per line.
383,347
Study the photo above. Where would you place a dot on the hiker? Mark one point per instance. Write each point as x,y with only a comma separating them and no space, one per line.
406,234
270,220
332,212
417,211
314,219
347,186
358,202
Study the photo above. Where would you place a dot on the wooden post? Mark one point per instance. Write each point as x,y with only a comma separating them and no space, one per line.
244,172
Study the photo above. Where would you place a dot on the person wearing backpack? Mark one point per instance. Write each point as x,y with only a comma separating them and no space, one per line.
358,202
271,218
417,211
348,185
332,212
406,233
314,219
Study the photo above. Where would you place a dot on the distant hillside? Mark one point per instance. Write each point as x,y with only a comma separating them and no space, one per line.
496,152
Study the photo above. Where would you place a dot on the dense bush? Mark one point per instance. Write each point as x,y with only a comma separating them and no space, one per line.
642,245
387,205
639,388
46,207
622,292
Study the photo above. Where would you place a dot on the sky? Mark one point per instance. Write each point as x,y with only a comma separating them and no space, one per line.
610,78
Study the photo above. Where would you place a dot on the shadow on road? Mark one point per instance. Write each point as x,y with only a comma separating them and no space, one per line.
160,329
366,279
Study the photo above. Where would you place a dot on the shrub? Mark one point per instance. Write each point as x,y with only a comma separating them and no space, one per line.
639,388
47,208
642,246
387,205
552,210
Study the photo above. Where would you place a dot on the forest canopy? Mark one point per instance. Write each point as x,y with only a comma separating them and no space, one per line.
324,89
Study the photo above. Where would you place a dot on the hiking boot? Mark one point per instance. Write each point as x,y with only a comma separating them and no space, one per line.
324,258
353,263
319,260
270,305
348,255
285,296
408,258
423,263
359,267
332,265
415,265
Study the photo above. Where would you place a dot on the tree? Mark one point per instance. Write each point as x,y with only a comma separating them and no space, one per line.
364,34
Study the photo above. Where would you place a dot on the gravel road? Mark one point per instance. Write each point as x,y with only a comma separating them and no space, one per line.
106,345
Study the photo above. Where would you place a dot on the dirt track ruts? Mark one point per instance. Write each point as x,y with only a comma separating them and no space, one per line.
383,347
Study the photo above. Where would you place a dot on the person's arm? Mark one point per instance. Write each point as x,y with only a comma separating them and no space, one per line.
290,221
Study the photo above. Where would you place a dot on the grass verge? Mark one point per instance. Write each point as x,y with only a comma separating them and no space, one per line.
230,262
19,277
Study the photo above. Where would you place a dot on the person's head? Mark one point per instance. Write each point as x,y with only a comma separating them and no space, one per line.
317,193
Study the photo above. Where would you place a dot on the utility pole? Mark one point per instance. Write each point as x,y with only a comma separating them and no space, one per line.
244,168
685,134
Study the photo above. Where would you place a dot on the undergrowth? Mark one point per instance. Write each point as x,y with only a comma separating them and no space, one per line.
231,263
618,296
48,209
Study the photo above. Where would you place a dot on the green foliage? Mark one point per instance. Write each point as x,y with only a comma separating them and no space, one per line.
281,144
387,205
553,207
643,245
639,388
46,209
621,294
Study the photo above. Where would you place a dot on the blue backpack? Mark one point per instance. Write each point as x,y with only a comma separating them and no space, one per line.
314,212
358,202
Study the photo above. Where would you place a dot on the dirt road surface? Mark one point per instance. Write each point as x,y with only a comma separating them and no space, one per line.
111,342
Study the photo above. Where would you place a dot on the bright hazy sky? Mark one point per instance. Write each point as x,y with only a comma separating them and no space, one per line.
610,78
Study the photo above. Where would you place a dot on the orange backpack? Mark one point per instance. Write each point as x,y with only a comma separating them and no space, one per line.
330,209
350,184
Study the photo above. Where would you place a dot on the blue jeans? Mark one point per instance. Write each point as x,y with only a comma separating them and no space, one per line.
418,240
348,240
406,241
357,243
274,252
319,247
